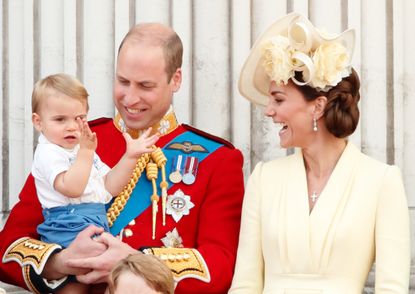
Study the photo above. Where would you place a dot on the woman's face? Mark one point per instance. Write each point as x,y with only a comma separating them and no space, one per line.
288,107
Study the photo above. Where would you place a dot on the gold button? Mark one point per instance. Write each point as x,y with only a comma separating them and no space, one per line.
128,233
186,256
172,257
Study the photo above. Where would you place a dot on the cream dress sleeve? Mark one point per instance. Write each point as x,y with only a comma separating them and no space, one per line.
249,270
392,236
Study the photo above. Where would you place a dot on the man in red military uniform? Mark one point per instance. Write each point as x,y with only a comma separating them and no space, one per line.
184,209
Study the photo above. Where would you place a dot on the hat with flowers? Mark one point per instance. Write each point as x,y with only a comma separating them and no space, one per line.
290,48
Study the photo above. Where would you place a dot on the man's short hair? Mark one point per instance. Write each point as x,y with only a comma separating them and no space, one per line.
162,36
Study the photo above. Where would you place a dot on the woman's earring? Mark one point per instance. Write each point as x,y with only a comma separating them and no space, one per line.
315,129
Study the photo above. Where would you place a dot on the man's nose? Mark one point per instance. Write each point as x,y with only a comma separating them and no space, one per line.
132,96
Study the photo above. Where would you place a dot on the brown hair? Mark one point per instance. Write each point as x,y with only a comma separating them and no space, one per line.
152,269
61,83
158,35
341,114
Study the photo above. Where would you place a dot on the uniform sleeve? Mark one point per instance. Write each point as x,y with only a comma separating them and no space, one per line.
219,224
23,257
249,269
392,236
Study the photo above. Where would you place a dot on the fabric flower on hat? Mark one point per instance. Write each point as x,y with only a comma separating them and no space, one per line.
322,68
331,63
278,63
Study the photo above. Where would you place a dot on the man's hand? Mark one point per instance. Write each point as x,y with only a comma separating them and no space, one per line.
82,247
101,265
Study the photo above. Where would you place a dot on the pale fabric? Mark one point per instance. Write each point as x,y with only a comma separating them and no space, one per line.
361,215
50,160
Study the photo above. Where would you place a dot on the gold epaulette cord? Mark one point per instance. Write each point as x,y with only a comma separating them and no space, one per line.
119,203
158,160
151,169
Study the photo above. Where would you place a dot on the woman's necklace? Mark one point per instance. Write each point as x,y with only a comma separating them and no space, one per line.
314,196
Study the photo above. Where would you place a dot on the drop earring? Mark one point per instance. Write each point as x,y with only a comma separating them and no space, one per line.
315,129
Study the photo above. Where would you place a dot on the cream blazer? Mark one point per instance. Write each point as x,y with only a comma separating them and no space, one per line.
361,217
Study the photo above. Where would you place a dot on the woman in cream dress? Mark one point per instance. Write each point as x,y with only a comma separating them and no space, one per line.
315,221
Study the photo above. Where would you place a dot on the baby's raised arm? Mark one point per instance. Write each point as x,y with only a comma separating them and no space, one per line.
118,177
72,182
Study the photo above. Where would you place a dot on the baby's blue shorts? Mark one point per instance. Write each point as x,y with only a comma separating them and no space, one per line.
62,224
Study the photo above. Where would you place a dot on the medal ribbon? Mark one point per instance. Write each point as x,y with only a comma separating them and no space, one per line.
140,197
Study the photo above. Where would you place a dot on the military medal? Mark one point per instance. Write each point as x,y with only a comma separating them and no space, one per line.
189,176
175,176
172,239
178,205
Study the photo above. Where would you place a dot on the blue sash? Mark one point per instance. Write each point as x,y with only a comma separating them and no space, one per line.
140,197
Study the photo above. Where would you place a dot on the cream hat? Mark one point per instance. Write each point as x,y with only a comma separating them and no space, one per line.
292,44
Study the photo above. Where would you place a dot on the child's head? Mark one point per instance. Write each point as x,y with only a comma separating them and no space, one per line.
141,273
57,101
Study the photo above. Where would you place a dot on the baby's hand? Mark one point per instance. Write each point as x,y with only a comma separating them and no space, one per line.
88,139
141,145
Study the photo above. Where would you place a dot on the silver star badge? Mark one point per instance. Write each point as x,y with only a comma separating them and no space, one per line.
178,205
172,239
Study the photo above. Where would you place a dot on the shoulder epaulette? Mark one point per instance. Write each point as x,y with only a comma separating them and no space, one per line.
209,136
98,121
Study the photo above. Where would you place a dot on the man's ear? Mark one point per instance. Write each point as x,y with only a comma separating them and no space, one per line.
319,106
176,80
37,122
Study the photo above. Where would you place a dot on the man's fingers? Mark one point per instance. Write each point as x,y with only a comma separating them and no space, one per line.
89,262
92,230
106,238
93,277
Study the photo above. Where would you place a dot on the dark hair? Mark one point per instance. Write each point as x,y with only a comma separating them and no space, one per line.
341,114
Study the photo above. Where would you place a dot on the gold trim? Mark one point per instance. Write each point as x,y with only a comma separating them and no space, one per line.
27,251
165,126
183,262
28,281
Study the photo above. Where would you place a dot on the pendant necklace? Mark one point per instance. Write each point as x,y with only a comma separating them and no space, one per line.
314,197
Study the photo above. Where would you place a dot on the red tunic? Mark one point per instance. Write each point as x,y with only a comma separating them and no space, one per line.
212,226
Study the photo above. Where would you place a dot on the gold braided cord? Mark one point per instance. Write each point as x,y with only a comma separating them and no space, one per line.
159,157
152,172
121,200
158,160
